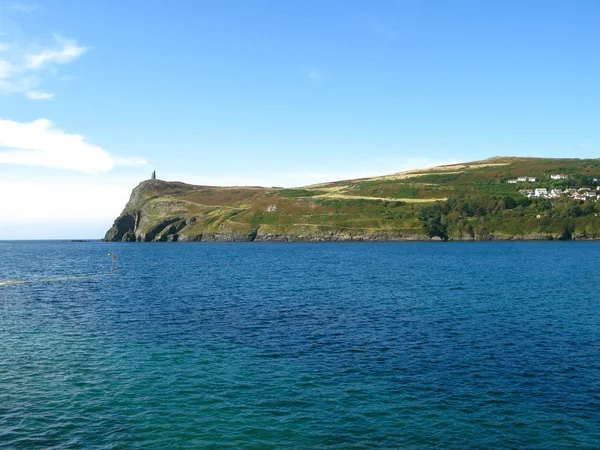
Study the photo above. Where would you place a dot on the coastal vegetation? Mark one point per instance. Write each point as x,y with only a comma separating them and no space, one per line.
469,201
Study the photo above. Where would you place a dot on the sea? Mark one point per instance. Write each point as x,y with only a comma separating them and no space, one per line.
404,345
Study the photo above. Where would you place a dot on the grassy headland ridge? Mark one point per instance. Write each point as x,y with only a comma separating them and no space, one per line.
467,201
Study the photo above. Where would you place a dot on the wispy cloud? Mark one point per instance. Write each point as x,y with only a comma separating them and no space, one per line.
22,72
67,51
37,95
40,143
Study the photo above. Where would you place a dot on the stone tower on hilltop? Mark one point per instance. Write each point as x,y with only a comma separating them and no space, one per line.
153,175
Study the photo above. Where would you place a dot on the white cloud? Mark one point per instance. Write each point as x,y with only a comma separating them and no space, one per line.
37,95
67,52
22,72
39,143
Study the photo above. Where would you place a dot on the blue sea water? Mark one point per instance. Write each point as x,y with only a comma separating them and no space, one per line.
337,346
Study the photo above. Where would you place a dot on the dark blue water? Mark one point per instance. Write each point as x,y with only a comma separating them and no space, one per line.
387,345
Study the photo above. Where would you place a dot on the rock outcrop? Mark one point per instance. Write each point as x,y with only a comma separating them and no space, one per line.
122,229
143,221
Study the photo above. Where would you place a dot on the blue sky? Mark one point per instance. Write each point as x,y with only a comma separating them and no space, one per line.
95,95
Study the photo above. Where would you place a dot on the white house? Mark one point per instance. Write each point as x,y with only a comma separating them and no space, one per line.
532,179
559,176
522,179
541,191
514,181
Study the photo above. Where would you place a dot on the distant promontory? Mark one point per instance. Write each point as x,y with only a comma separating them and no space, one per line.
502,198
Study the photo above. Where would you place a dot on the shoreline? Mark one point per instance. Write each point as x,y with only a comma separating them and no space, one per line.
225,237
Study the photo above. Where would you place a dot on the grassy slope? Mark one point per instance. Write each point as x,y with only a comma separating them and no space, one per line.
416,203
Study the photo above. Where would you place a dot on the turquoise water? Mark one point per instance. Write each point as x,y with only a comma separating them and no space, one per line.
383,345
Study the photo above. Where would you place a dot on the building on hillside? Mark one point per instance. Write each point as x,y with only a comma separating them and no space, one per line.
532,179
540,192
559,176
522,179
513,181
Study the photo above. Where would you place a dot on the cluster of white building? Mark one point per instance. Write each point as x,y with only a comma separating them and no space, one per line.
523,180
576,194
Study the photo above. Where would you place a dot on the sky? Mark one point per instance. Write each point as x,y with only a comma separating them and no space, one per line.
95,95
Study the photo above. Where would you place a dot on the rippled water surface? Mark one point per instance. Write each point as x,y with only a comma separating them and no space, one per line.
387,345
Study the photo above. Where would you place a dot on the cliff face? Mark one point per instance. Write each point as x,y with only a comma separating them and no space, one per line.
144,219
471,201
122,230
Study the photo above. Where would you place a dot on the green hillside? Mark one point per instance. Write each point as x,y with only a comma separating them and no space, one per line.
470,201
